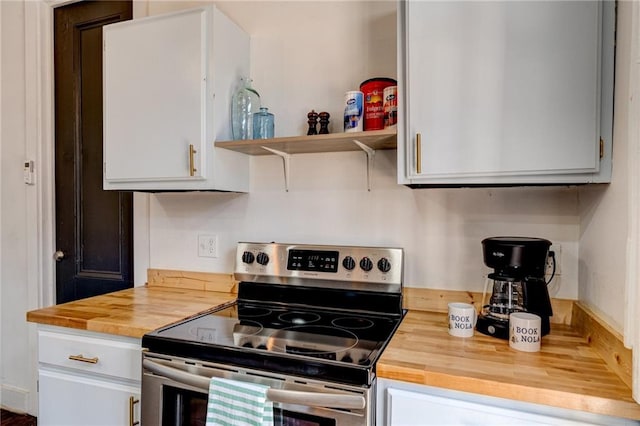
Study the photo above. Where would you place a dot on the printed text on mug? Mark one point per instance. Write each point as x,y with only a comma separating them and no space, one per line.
461,321
527,335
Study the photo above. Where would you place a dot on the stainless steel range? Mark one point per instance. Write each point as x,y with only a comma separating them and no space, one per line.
310,321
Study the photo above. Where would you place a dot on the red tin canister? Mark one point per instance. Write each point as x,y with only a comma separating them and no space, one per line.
373,90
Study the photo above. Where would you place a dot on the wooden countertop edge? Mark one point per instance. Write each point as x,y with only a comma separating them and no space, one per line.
548,397
40,316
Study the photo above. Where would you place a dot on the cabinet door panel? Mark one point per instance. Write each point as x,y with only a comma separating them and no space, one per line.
407,408
503,88
155,97
74,400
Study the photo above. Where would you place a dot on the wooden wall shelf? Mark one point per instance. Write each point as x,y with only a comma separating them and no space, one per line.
333,142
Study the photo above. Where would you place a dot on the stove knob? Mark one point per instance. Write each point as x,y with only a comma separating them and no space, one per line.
348,263
347,358
384,265
247,257
366,264
262,258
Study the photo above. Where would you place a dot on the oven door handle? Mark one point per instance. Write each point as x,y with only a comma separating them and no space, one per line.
282,396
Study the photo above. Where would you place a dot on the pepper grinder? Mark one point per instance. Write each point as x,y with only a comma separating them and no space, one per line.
324,123
313,122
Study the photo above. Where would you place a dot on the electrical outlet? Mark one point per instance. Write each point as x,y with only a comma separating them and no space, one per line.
553,257
207,245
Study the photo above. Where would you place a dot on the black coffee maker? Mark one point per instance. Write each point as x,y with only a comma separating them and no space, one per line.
518,283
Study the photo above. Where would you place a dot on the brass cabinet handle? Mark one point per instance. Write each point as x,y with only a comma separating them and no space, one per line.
132,401
192,169
418,153
83,359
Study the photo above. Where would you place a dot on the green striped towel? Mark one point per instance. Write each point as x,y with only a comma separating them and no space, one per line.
235,403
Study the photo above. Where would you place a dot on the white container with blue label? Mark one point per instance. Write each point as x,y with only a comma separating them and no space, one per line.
353,111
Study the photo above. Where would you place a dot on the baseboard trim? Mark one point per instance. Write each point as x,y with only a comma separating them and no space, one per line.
607,342
207,281
432,300
14,399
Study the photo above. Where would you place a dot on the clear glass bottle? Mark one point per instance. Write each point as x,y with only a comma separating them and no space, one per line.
244,103
263,124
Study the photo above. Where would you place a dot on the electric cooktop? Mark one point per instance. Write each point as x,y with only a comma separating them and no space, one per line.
304,310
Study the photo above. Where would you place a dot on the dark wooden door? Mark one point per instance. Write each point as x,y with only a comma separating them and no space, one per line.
94,233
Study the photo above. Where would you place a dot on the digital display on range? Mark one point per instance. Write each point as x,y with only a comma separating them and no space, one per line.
313,260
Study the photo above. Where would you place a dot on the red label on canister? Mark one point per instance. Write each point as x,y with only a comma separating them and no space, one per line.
390,106
373,90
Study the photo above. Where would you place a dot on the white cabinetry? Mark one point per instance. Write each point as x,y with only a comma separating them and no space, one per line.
87,379
168,82
406,404
499,93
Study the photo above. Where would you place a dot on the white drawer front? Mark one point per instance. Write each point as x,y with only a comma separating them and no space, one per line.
112,356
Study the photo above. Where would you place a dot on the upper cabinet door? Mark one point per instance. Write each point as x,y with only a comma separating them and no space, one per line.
155,87
501,92
162,109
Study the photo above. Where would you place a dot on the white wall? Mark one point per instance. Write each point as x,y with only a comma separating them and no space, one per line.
439,229
306,55
604,209
14,344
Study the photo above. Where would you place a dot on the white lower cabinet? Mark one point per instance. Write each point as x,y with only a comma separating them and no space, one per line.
406,404
70,399
87,378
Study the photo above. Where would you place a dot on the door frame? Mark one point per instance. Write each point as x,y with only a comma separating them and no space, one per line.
40,147
632,296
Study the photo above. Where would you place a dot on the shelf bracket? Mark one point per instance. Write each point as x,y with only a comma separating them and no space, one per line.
285,163
370,155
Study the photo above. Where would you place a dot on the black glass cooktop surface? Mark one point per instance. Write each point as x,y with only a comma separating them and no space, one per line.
335,344
336,336
332,334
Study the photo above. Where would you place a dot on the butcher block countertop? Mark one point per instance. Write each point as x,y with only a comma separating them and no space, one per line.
168,297
566,373
571,370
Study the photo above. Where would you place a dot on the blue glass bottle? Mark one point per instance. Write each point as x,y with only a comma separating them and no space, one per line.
244,103
263,124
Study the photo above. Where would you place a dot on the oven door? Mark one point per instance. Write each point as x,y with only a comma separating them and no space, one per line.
175,393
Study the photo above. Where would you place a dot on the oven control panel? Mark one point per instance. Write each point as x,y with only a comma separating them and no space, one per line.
381,265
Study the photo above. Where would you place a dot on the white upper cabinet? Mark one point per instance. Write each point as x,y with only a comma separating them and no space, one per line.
507,92
168,82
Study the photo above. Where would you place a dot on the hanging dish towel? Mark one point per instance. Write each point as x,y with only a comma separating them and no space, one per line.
235,403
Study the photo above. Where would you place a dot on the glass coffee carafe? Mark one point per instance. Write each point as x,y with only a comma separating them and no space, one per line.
507,297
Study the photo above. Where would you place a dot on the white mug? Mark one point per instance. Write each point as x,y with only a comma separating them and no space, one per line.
525,331
462,319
